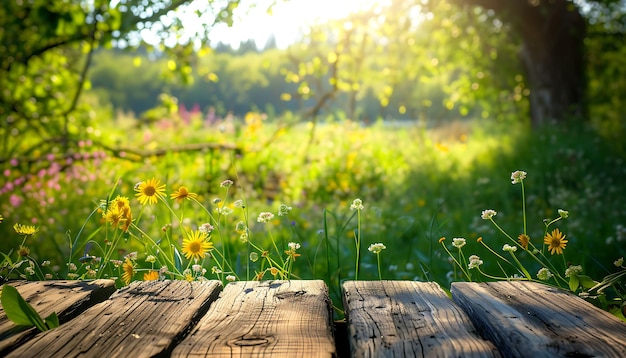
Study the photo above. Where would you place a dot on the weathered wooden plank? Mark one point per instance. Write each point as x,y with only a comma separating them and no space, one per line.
141,320
67,298
408,319
269,318
526,319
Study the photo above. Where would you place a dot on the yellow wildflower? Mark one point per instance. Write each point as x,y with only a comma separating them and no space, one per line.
556,241
149,191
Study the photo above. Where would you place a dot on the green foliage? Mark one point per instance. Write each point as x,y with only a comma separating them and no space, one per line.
22,313
47,51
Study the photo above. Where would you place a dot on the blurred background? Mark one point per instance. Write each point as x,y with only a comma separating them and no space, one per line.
421,108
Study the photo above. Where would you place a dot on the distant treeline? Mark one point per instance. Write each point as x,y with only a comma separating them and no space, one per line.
237,81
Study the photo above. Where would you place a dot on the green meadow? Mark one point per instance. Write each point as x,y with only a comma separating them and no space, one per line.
418,182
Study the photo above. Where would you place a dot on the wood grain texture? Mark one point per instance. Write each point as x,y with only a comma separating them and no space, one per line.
66,298
141,320
408,319
526,319
265,319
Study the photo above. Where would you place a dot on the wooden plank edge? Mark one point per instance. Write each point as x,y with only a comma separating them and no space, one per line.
100,290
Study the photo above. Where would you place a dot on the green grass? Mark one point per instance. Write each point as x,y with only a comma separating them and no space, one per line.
417,184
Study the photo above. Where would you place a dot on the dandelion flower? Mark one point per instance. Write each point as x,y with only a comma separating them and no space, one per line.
120,202
151,275
518,176
149,191
196,245
544,274
523,240
357,204
376,248
183,193
556,241
129,270
25,229
488,214
115,216
458,242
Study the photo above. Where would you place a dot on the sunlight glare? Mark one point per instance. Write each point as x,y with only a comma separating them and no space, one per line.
288,20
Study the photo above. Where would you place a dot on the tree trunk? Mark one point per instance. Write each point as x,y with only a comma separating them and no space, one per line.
552,54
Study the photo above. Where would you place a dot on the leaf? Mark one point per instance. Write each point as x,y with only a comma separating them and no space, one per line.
178,260
587,282
18,310
52,321
573,283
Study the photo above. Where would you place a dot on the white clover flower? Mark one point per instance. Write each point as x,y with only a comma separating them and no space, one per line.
48,276
573,270
224,210
544,274
116,263
509,248
230,278
226,183
45,263
376,248
488,214
206,228
458,242
283,210
71,266
239,203
563,213
151,259
265,217
72,275
518,176
293,246
196,268
357,204
619,262
474,262
29,270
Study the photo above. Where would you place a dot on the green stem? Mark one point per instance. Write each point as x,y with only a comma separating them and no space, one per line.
380,276
523,205
358,244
